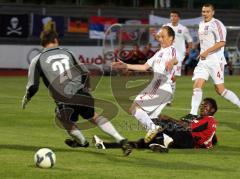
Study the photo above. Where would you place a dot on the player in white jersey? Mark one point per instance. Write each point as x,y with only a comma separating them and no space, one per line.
212,36
149,103
182,36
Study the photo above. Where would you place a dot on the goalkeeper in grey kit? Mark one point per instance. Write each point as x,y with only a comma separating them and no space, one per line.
66,80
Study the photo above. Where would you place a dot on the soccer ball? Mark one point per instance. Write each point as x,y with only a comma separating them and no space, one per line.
45,158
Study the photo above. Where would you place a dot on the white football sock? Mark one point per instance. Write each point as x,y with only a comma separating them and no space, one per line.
231,96
167,140
144,118
196,100
157,111
77,135
107,127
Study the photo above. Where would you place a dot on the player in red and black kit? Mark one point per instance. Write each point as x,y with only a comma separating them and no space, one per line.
197,133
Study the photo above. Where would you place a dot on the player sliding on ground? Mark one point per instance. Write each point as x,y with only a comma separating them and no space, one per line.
197,133
66,80
149,103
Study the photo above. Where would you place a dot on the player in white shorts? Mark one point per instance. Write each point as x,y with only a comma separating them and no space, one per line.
182,36
212,36
158,93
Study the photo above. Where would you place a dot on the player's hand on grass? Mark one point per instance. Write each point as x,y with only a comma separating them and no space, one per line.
25,100
119,65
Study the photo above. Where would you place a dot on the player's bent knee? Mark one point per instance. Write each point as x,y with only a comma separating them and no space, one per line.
132,109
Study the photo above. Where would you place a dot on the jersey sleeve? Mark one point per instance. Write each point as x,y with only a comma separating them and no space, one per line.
219,31
187,35
33,77
212,130
152,59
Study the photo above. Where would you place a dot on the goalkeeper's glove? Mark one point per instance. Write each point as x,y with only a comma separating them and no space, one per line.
25,100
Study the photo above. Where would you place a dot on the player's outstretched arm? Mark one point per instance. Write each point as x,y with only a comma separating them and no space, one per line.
119,65
136,67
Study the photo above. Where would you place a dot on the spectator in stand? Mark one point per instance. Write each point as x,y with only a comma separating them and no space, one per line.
148,52
165,3
192,60
145,53
117,51
136,56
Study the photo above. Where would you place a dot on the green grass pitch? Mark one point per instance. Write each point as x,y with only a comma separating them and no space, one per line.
23,132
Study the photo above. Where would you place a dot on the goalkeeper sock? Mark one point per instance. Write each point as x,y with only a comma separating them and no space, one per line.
196,100
231,96
78,136
107,127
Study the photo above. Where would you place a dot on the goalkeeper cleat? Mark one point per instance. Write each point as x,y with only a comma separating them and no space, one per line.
98,142
169,104
126,147
151,134
158,148
74,144
25,101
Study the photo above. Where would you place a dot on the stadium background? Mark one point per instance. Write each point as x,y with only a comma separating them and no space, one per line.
74,20
227,11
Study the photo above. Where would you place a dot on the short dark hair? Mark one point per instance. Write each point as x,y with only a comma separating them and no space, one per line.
170,31
175,12
209,5
48,37
212,103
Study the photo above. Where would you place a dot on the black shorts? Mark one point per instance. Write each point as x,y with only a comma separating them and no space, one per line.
179,133
72,111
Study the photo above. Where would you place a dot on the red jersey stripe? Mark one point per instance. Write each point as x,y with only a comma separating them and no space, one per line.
219,30
173,52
